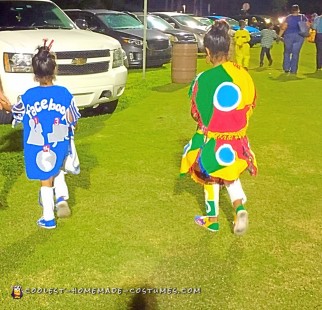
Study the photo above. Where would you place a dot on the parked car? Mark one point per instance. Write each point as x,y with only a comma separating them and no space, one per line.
90,65
158,23
255,33
185,22
129,32
204,20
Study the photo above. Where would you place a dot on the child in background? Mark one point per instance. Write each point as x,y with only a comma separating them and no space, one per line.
268,37
242,47
222,100
48,113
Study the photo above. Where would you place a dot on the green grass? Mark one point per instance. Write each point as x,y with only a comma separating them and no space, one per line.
132,223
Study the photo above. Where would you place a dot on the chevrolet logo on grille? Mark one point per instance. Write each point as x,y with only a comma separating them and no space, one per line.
79,61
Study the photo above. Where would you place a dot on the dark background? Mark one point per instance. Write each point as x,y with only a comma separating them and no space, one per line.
199,7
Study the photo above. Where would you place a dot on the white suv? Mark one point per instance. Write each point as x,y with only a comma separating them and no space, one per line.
90,65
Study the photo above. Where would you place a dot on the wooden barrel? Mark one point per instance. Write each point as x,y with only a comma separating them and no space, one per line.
184,62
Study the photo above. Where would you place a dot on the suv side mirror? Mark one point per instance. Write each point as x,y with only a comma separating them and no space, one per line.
81,23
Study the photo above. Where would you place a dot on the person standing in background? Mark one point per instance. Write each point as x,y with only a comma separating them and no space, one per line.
317,26
292,40
242,47
268,37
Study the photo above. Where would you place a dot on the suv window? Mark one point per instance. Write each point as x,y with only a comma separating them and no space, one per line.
120,21
32,14
92,22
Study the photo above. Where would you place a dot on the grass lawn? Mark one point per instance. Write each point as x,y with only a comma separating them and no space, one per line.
132,223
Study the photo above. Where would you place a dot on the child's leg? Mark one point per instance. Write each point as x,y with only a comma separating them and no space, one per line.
210,221
261,57
246,53
47,199
269,57
238,199
62,195
239,55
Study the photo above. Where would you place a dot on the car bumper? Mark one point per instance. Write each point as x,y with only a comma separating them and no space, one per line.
103,87
154,58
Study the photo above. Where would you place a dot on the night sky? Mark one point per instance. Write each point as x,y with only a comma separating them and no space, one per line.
224,7
199,7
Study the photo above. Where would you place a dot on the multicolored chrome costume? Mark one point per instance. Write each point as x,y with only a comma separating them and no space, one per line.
222,100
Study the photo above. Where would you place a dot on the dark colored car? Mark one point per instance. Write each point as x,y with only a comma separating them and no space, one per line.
157,23
255,33
129,32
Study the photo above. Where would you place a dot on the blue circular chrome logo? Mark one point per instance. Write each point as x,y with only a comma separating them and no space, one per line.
227,97
225,155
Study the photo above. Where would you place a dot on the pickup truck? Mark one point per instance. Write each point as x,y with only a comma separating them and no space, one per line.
89,64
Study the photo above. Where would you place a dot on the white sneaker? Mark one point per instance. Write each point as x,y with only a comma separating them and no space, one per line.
62,209
241,223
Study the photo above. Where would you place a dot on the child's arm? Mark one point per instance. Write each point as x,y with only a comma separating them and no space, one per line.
72,113
4,102
283,28
18,112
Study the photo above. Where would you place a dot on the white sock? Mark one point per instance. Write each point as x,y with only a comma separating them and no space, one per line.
61,189
47,198
235,191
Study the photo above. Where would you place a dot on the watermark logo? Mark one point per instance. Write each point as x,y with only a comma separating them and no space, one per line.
16,292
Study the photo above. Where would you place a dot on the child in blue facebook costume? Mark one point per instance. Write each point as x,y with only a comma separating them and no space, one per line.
47,113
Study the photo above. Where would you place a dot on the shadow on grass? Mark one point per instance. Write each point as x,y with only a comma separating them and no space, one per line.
83,180
91,112
314,75
140,70
14,256
286,77
169,88
12,163
261,69
12,141
142,300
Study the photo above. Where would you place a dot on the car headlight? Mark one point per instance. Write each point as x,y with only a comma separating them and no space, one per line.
201,36
132,41
15,62
118,58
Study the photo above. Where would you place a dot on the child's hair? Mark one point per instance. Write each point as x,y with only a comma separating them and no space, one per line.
44,63
217,39
242,23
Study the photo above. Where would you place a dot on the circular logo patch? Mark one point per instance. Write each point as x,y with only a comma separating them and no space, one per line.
46,160
225,155
227,97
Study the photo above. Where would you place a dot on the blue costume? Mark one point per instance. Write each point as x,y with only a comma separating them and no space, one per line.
44,111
